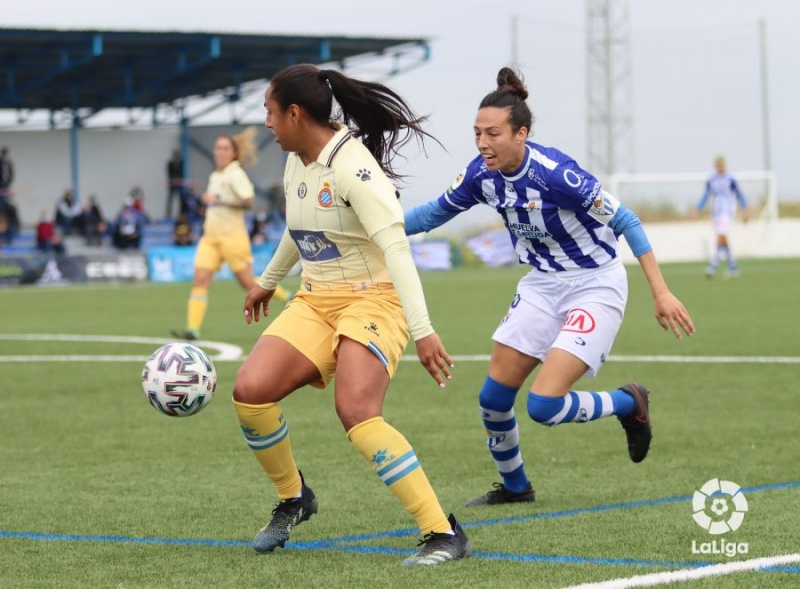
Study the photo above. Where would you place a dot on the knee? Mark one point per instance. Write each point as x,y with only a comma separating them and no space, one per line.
352,414
246,388
543,409
496,396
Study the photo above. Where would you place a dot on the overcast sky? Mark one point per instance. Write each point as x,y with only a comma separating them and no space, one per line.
696,77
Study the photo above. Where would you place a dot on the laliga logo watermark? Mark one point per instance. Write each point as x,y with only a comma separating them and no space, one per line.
719,507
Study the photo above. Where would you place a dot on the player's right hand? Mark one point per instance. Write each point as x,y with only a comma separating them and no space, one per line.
434,358
256,303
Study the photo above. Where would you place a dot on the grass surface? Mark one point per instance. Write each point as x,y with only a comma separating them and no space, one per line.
99,490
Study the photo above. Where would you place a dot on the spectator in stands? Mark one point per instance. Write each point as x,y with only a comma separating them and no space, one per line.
183,233
258,229
68,214
10,217
93,223
193,204
6,173
47,235
137,194
276,202
129,226
9,221
175,182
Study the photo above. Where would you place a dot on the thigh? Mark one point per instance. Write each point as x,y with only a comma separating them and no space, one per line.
208,255
237,252
531,323
377,322
245,278
593,313
360,384
309,330
510,367
272,370
722,224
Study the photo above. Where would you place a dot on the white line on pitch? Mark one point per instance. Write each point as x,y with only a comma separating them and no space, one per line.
229,353
715,570
668,359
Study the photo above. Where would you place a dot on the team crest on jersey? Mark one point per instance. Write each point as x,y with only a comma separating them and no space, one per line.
604,205
457,181
302,190
325,196
579,321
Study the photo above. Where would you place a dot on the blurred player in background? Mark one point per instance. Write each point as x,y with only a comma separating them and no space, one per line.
568,308
225,237
724,193
361,296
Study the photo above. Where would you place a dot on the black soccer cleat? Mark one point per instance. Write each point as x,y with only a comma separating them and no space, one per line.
285,517
190,335
441,548
501,495
637,423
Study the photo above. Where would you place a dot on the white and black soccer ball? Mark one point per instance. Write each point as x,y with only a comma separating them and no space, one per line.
179,379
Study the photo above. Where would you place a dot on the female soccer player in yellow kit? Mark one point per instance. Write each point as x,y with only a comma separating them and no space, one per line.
359,299
225,238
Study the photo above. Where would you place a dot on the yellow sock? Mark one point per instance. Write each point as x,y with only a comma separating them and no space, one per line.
395,462
267,433
196,312
281,294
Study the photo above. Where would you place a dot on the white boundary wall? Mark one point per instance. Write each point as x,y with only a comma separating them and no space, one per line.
691,241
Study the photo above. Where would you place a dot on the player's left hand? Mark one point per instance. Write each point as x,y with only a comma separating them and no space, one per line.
257,303
671,314
434,358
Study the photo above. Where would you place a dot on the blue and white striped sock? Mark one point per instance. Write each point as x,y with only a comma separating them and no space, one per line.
497,410
578,406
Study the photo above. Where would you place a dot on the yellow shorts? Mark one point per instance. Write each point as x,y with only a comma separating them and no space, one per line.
233,248
314,321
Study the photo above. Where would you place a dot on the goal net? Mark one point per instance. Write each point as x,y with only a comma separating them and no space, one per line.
671,196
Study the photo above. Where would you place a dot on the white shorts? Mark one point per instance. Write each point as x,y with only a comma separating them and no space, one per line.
577,311
722,224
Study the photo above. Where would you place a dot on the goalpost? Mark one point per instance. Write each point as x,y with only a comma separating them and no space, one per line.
684,189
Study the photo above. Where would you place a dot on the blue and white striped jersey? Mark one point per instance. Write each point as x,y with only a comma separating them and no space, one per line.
724,193
556,213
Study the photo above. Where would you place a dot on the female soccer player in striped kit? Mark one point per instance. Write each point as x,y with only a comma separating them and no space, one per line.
360,298
725,194
568,308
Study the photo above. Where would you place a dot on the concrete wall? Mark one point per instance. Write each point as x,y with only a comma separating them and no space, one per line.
691,241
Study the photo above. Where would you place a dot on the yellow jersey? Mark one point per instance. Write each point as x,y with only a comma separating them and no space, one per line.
231,185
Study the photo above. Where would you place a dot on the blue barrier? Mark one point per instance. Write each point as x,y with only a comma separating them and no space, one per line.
176,264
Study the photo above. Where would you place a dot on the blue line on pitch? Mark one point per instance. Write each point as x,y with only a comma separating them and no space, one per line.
559,514
336,543
780,569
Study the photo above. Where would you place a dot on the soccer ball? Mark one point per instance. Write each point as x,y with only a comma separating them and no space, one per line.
179,379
